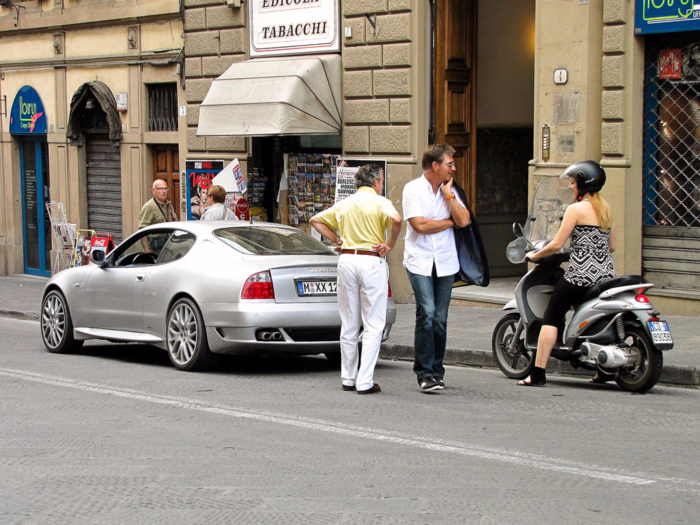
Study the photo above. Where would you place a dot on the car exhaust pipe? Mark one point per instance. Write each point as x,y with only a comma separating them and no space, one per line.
264,336
276,336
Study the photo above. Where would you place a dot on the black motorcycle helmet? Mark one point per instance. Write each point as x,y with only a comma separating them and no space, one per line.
589,177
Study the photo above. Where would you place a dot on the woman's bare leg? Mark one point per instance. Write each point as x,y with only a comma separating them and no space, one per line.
545,343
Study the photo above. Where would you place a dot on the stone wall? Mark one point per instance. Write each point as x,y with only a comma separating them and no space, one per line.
377,77
215,38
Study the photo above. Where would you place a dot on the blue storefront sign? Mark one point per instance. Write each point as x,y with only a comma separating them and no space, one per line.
28,116
666,16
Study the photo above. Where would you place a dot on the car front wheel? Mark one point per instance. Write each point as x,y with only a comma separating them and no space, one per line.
57,325
188,348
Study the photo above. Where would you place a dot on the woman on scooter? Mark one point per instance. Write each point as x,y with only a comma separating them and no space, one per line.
588,222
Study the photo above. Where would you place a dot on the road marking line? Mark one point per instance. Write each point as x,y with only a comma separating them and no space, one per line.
525,460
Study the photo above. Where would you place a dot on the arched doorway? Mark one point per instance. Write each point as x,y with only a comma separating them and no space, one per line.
95,124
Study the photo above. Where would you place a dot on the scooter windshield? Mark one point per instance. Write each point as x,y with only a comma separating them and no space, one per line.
552,197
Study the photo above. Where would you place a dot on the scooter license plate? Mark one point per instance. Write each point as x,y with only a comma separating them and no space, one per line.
660,332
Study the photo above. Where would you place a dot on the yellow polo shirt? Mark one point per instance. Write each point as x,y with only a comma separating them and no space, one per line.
361,219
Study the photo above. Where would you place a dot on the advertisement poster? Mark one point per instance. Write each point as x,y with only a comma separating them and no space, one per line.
200,174
347,168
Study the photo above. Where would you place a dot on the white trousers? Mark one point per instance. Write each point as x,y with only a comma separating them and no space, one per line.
362,297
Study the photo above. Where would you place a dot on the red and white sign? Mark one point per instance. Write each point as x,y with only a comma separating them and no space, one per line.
242,209
293,27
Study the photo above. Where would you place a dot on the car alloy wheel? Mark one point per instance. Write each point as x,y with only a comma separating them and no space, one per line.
56,324
187,339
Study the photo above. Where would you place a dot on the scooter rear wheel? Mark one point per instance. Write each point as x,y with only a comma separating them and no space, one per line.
516,364
650,363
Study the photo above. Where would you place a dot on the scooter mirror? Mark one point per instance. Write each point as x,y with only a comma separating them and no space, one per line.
516,250
518,230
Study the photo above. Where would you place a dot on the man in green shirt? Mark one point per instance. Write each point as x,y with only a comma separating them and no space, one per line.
155,211
158,209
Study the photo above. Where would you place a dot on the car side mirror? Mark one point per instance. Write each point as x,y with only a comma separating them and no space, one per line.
518,230
98,257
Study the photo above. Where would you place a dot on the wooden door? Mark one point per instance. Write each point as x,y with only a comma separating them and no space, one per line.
454,109
166,166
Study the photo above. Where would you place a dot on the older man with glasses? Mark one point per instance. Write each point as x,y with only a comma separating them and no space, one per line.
158,209
155,211
432,211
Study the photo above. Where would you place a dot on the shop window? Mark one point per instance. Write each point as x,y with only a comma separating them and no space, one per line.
672,131
162,107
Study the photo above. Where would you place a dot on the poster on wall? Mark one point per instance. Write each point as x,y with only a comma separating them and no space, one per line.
347,168
293,27
199,175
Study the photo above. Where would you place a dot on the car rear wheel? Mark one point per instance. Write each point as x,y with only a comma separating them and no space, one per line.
57,325
188,348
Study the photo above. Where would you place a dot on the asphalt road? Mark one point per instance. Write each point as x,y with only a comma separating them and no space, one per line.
114,435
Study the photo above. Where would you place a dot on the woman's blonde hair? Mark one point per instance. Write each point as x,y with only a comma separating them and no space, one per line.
602,209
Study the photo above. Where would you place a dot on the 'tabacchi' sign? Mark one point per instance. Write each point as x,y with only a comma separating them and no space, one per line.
293,27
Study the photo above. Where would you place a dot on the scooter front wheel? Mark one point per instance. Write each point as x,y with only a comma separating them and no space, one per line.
516,362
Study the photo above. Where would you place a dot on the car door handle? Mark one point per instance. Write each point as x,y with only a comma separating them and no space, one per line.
141,277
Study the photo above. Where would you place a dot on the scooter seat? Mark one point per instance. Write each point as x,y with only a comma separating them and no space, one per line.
597,289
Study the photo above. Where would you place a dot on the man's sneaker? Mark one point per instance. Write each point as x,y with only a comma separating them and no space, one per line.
428,384
440,382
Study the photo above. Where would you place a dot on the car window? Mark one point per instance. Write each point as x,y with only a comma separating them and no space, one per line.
272,240
179,244
141,250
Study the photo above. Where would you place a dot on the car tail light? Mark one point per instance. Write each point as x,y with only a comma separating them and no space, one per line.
654,319
258,286
390,294
641,298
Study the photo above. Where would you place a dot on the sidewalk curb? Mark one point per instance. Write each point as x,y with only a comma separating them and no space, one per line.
672,375
22,316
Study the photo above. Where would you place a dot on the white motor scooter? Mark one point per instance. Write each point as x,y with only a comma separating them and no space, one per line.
614,329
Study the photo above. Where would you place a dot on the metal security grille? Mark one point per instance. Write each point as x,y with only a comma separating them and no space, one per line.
162,107
104,186
671,155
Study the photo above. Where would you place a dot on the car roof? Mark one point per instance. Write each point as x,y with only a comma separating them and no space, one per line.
203,227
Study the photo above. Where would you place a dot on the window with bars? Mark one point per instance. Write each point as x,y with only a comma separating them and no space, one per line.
162,107
672,131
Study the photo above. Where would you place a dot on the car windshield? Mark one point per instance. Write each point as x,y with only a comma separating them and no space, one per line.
272,240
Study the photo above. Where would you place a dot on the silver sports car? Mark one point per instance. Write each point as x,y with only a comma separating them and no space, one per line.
197,289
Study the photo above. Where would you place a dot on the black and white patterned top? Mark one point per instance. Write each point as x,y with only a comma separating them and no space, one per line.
590,260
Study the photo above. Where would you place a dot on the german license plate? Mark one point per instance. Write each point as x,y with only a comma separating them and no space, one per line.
317,287
660,332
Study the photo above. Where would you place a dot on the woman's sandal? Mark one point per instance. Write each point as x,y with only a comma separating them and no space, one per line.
537,378
601,378
532,383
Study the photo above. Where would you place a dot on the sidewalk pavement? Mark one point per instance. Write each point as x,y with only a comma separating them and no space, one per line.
469,332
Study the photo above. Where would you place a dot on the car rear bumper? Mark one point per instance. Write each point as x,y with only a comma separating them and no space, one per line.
300,329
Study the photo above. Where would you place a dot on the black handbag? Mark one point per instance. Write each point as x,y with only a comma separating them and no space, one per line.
473,266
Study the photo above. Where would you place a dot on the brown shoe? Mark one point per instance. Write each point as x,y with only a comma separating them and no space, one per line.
347,388
374,389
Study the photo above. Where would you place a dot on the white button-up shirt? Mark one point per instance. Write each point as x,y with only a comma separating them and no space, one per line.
421,250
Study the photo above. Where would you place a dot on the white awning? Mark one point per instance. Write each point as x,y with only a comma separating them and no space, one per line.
275,96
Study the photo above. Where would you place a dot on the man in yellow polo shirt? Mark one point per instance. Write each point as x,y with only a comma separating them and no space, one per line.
363,275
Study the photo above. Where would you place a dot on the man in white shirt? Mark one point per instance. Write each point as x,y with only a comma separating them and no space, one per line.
432,210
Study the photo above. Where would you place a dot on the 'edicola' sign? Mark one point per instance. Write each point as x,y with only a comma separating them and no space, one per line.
666,16
293,27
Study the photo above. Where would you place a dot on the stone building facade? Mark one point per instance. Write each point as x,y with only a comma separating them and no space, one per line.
105,75
388,97
623,107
